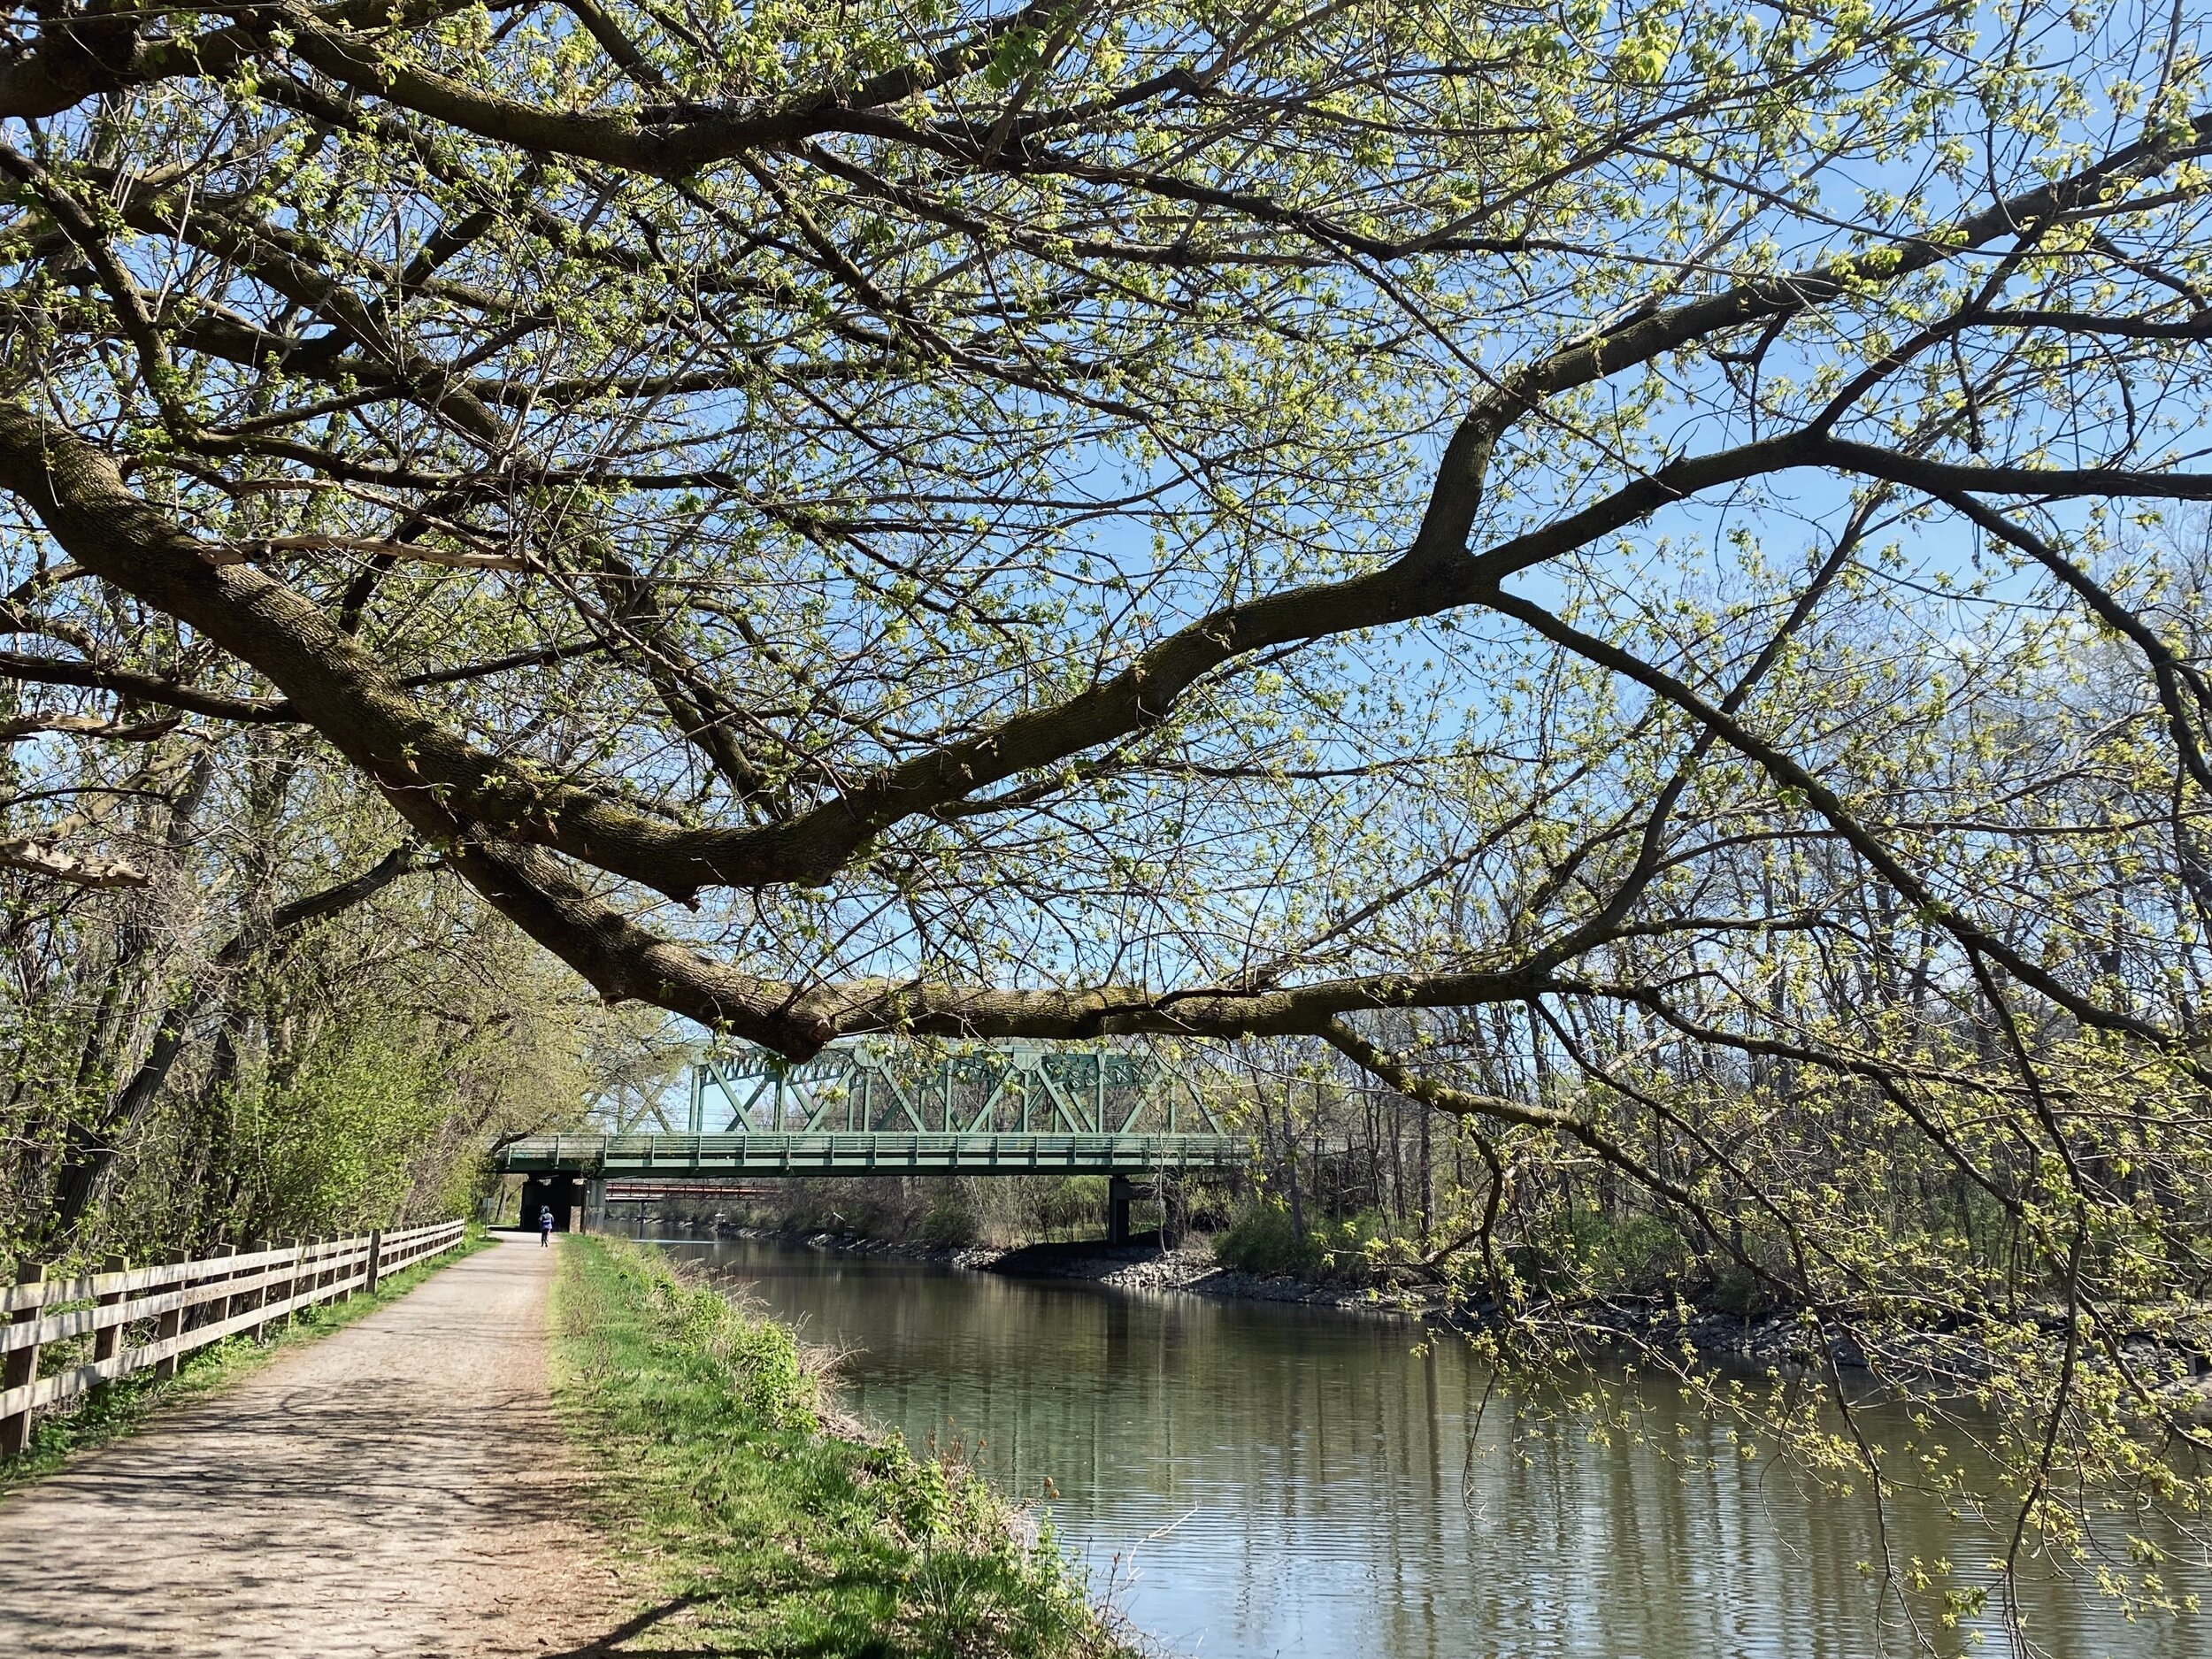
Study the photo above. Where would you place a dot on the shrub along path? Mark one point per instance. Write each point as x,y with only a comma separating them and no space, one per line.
400,1487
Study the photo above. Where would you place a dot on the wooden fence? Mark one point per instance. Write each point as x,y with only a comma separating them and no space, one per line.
149,1316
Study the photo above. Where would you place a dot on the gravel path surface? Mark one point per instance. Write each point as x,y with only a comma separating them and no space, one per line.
398,1488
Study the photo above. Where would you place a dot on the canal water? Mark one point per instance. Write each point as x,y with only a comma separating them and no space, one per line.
1246,1479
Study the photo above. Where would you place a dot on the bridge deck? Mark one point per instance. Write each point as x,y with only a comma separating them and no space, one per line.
675,1157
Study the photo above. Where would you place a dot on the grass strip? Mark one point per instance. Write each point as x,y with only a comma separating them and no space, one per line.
768,1525
123,1406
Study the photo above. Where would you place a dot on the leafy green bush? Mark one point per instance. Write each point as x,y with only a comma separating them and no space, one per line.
1262,1241
1588,1249
949,1222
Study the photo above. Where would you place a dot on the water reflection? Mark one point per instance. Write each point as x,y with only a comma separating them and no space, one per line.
1256,1480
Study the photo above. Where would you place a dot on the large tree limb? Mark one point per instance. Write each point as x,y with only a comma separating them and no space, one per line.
82,57
17,727
624,960
56,863
141,688
333,682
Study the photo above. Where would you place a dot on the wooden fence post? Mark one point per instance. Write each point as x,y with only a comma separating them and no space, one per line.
292,1279
171,1323
20,1366
258,1298
376,1260
109,1338
219,1309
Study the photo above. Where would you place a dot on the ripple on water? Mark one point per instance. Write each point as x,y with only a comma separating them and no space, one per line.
1254,1478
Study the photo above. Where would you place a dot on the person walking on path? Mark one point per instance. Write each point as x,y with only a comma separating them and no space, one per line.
545,1225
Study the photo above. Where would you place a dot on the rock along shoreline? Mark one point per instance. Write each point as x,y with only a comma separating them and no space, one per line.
1123,1267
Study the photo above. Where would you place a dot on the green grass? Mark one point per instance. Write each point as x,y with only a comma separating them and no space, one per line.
762,1523
123,1407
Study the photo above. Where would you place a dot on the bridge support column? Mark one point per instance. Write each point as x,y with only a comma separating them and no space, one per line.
1118,1196
594,1206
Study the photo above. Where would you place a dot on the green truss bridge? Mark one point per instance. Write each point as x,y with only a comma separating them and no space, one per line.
879,1109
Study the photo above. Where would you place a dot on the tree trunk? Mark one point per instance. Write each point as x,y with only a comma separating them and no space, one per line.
1428,1179
1398,1157
93,1148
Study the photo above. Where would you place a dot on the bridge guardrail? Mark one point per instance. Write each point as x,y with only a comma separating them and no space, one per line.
856,1152
190,1303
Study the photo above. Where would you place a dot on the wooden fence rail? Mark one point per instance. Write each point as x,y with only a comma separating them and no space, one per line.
179,1306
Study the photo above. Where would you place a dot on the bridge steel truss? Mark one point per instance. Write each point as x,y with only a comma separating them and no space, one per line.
864,1087
872,1107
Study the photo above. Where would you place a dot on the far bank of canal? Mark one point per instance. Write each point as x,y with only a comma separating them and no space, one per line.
1248,1480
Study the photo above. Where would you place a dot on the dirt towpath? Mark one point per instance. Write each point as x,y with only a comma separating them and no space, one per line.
399,1488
